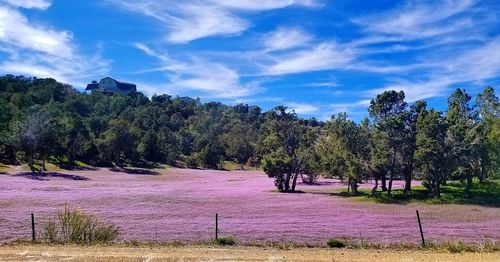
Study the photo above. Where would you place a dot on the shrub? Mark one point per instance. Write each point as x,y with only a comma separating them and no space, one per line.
226,241
193,161
335,243
77,227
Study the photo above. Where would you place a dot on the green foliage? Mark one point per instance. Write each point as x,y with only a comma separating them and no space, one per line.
77,227
287,148
430,144
343,151
226,241
335,243
486,193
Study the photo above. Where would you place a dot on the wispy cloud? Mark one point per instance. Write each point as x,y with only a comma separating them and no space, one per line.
320,57
38,4
419,19
302,108
186,21
36,50
213,79
285,38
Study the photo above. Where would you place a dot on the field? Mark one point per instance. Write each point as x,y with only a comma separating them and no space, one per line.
166,205
204,253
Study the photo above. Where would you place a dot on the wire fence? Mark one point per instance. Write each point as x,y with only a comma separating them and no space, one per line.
249,231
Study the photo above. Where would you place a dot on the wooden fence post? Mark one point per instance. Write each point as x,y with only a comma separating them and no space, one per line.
33,236
421,232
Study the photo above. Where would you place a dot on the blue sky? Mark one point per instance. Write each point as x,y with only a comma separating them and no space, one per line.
317,57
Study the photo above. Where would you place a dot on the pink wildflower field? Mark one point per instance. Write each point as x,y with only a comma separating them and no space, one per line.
180,204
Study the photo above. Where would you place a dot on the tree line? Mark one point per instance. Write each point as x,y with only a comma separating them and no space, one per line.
44,120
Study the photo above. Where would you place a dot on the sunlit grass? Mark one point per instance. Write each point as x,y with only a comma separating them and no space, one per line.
486,193
5,168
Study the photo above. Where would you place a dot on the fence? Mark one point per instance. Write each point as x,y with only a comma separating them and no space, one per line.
417,233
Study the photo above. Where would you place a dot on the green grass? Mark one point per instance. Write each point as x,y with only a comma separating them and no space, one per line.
50,167
485,194
4,169
230,166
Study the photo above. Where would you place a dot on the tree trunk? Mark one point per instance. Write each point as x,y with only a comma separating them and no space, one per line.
391,171
384,182
408,178
468,185
374,189
389,189
30,163
354,186
294,183
43,168
287,182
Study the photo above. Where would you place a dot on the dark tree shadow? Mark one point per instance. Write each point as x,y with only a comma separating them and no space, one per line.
46,176
134,171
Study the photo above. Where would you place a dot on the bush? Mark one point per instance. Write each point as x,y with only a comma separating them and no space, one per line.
193,161
226,241
335,243
77,227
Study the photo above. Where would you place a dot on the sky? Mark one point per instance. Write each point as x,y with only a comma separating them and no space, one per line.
317,57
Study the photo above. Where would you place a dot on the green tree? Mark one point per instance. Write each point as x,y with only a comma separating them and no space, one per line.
460,142
489,113
287,151
118,142
344,151
430,148
238,142
387,112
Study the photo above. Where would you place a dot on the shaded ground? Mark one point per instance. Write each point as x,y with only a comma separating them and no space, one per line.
180,204
195,253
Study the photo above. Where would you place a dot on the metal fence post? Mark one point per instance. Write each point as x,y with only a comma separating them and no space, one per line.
216,226
421,232
33,236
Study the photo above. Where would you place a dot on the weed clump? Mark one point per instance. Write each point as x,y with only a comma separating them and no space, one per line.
226,241
77,227
335,243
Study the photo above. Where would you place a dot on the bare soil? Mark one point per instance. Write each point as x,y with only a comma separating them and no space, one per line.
239,253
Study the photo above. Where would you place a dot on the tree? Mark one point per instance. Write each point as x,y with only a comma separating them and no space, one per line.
461,154
430,142
344,151
408,141
238,143
387,112
287,151
29,137
489,113
118,142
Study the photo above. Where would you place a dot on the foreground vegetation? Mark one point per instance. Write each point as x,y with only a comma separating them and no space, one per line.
43,120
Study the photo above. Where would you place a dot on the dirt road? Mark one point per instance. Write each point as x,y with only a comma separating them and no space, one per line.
204,253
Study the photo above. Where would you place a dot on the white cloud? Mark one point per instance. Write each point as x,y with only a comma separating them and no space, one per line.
35,50
257,5
302,108
213,79
324,56
475,66
417,19
28,4
190,20
285,38
15,30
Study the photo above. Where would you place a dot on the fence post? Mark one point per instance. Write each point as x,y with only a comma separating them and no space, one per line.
216,226
33,236
421,232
